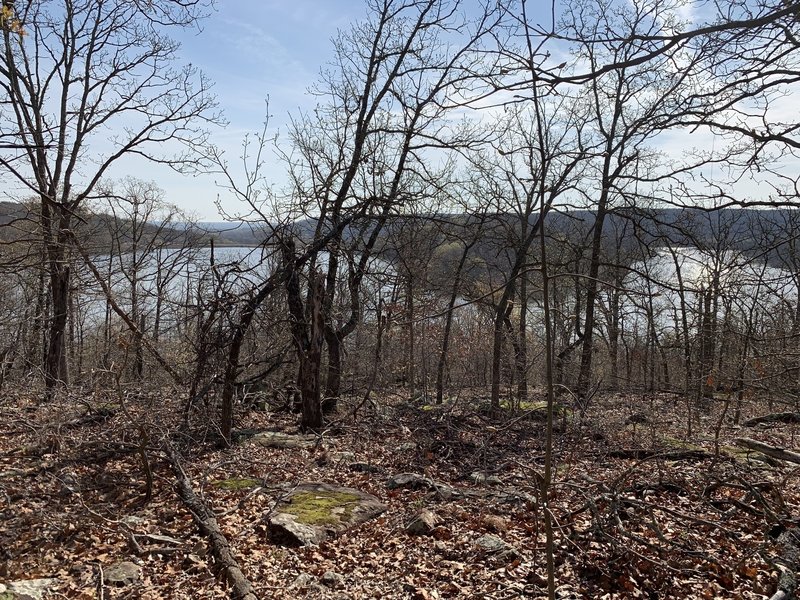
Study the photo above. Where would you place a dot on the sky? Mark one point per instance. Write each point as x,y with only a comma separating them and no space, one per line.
257,49
253,50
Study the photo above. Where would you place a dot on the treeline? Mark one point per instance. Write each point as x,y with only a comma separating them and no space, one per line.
478,202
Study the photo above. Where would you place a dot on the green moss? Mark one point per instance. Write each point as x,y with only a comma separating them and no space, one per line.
234,483
321,508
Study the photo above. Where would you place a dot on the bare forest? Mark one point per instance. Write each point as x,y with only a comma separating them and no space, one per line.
516,315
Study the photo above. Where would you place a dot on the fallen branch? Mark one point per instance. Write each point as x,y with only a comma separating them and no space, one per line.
207,523
90,418
641,454
773,451
784,417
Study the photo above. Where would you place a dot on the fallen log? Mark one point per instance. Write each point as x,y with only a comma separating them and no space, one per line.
783,417
241,588
773,451
788,545
642,454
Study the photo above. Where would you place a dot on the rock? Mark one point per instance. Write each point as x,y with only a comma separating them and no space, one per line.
312,512
69,483
423,523
411,481
28,589
362,467
514,496
303,580
415,481
332,579
484,478
278,439
284,527
497,548
344,457
122,573
309,586
132,521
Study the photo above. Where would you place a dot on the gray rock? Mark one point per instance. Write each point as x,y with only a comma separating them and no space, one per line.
285,528
484,478
411,481
308,585
313,512
303,580
29,589
332,579
496,547
278,439
122,573
132,520
415,481
423,523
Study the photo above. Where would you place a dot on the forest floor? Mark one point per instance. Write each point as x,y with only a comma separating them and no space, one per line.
642,508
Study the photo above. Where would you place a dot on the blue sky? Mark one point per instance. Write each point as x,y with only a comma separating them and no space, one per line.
251,50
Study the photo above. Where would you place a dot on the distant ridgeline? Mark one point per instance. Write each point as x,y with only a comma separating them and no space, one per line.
743,229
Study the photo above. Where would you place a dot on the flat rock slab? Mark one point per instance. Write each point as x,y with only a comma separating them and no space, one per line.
122,573
28,589
279,439
496,548
415,481
313,512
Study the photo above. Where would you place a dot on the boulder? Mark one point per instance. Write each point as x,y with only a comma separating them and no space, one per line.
313,512
496,548
423,523
122,573
27,589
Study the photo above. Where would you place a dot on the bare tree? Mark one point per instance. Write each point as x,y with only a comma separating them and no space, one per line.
89,83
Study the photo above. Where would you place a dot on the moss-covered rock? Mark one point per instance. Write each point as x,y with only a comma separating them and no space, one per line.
316,511
322,507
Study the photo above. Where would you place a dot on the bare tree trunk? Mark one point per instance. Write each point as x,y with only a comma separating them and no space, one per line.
55,359
522,343
410,349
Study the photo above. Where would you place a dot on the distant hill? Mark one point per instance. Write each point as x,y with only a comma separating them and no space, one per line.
746,229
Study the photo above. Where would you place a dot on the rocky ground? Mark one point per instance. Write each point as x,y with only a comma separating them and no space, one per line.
642,508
